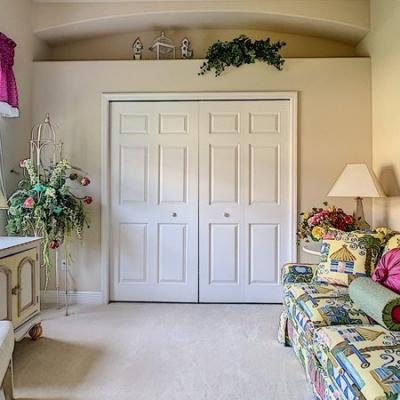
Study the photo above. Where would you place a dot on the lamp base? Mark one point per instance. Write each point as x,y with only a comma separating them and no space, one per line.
359,215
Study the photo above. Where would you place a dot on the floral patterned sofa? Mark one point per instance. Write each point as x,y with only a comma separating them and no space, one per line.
345,354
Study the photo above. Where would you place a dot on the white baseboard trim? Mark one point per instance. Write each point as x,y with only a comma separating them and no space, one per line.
76,297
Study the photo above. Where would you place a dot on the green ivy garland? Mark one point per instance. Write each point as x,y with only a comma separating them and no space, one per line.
242,50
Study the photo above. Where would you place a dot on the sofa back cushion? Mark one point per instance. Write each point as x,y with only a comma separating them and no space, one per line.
346,255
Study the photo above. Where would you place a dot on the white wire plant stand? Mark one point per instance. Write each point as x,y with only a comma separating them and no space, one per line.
45,153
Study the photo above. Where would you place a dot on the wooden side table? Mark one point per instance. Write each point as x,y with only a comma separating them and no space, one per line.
20,285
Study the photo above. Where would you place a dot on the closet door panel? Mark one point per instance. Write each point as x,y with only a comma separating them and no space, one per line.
154,179
173,173
224,251
172,253
245,181
224,174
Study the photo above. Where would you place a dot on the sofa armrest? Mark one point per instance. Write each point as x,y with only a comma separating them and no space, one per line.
298,273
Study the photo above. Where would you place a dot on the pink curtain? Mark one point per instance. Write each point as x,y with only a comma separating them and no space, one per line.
8,86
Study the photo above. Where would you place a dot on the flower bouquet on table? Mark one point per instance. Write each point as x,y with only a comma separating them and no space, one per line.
44,205
317,222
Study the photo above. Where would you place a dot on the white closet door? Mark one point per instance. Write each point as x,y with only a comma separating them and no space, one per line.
154,180
245,199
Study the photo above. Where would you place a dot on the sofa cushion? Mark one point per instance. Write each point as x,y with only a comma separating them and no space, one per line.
363,361
312,305
299,291
347,255
315,312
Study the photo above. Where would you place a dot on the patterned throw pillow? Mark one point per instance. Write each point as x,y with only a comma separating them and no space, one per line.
392,243
346,255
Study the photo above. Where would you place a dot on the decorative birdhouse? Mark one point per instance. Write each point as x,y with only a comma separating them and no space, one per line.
163,47
45,149
137,48
186,51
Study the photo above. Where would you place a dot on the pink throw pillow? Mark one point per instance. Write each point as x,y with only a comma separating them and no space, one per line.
387,271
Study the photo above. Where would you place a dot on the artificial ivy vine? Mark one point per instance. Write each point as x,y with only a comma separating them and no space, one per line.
242,50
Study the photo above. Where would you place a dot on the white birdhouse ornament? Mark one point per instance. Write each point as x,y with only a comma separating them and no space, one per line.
186,51
137,48
163,47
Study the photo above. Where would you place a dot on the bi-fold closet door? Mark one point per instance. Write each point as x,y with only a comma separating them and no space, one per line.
154,201
201,200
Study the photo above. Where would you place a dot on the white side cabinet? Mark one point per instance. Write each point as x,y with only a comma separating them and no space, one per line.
20,285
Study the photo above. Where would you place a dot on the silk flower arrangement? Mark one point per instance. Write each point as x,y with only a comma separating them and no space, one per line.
45,206
317,222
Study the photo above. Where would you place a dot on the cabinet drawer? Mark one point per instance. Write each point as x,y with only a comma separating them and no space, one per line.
25,286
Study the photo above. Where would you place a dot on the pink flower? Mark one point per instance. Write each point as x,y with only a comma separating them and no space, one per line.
29,203
88,199
54,244
23,163
348,219
85,181
313,220
329,236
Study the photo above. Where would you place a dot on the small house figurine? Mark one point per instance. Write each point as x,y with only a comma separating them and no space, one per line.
163,47
186,51
137,48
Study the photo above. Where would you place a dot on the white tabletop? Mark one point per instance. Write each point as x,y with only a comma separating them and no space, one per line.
7,242
313,248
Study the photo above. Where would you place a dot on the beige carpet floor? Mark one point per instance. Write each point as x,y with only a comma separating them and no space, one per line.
159,352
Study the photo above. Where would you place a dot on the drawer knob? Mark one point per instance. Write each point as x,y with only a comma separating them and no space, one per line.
15,290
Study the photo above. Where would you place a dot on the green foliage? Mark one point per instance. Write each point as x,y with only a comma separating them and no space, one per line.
45,206
242,50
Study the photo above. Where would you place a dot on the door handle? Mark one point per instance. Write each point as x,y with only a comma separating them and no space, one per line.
226,215
174,214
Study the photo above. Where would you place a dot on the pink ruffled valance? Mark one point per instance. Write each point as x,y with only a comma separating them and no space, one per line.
8,85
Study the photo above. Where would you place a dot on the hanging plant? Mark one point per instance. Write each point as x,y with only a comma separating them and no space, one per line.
44,205
242,50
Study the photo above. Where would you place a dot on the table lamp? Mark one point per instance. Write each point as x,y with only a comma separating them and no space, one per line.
358,181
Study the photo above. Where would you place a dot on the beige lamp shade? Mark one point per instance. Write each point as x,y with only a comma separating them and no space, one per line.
3,202
356,180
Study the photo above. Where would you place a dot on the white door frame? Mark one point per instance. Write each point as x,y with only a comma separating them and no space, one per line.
107,98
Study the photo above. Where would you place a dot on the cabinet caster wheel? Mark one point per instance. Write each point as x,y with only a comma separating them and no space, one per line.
36,331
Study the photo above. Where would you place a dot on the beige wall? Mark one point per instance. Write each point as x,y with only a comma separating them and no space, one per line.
382,45
346,19
334,119
119,47
15,22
